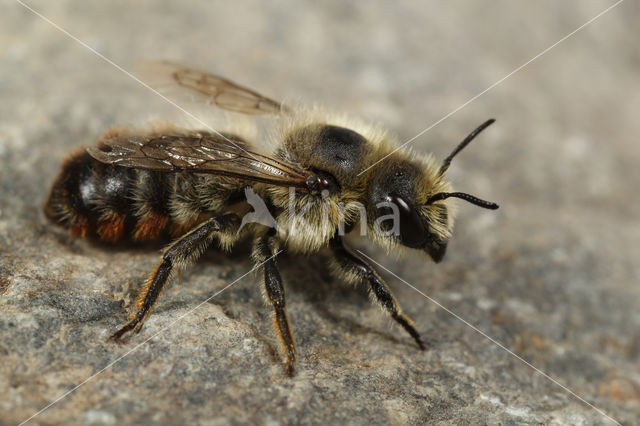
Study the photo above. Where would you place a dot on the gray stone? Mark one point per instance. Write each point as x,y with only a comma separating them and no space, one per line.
553,275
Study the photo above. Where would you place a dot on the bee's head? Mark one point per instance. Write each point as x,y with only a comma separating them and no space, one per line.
408,201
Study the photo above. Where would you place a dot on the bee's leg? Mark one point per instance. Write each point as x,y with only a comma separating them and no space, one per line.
263,254
180,253
353,268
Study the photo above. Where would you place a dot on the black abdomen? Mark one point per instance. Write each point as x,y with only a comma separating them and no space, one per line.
110,202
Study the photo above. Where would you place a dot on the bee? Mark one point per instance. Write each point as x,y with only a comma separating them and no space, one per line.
316,185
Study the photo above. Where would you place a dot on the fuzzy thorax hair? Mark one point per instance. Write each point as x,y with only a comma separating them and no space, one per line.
300,136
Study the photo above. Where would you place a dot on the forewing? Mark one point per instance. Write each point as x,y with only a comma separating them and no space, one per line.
198,153
209,87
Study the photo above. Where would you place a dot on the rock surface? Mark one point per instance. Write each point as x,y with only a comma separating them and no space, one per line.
553,275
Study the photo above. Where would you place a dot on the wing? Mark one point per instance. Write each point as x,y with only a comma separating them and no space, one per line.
209,87
200,153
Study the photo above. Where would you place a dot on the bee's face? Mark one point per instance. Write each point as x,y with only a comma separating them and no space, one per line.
398,210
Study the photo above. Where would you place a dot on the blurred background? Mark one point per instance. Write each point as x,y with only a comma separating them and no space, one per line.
553,275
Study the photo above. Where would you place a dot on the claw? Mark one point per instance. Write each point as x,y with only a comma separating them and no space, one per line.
421,343
290,368
138,327
131,325
290,363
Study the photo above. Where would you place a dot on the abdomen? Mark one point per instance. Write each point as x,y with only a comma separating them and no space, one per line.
116,203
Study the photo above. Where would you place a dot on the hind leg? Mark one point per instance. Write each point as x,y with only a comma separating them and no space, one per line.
180,253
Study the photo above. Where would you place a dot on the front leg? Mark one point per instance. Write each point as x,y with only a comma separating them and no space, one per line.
183,251
354,269
263,254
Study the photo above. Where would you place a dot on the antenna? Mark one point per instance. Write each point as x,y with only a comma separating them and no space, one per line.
447,161
464,196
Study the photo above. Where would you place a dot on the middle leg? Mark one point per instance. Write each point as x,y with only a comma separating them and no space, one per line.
263,254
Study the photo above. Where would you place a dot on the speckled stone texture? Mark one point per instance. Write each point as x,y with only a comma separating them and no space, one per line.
553,275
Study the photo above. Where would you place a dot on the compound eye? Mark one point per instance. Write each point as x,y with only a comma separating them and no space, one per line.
413,232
